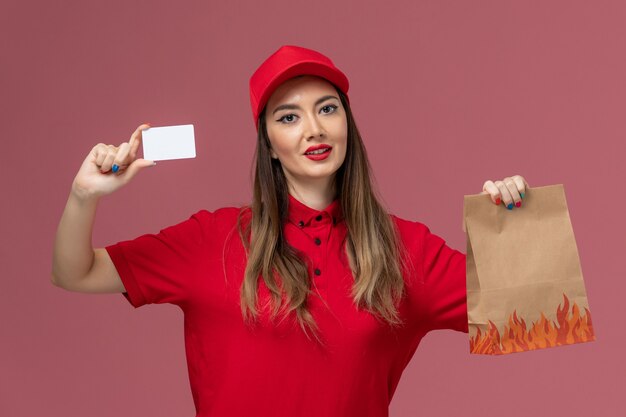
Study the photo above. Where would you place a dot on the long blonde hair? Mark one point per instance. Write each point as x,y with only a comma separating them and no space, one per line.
372,245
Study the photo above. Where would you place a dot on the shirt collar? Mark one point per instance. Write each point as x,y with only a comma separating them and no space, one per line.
302,215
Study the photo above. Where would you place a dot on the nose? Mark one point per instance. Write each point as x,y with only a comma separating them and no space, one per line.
313,128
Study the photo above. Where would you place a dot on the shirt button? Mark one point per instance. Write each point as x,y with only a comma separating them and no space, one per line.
318,218
301,223
318,241
317,271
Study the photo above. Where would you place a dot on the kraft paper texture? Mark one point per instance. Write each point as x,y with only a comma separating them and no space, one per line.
525,287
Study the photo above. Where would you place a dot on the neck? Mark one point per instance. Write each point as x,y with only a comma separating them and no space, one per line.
314,195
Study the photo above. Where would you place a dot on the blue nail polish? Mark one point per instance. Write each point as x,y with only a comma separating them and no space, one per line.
510,206
521,195
115,168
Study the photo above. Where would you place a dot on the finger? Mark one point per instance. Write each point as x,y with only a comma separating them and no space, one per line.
507,199
136,138
100,152
510,184
135,167
108,160
121,157
494,192
521,184
121,169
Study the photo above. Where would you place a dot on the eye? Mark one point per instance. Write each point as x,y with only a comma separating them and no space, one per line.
281,120
331,106
287,115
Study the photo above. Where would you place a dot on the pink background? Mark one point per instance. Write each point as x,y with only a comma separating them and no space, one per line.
447,94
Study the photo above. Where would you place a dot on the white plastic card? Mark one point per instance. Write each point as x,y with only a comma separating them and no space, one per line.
168,142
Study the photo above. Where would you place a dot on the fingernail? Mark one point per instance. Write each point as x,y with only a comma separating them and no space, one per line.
153,164
115,168
498,201
522,195
518,204
510,206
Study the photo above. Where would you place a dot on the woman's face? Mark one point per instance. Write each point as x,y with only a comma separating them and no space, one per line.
305,112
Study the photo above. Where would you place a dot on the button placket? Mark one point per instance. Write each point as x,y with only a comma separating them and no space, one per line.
318,252
318,229
317,271
327,253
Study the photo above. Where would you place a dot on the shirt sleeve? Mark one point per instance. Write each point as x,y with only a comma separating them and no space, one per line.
161,268
444,273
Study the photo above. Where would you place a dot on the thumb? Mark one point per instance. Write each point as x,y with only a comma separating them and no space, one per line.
136,166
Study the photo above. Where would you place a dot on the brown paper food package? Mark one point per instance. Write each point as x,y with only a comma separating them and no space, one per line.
525,288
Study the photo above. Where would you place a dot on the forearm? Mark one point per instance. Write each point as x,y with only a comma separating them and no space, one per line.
73,253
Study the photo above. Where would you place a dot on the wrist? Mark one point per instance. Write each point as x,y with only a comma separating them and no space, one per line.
82,195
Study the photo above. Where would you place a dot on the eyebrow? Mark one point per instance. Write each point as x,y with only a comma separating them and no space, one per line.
295,106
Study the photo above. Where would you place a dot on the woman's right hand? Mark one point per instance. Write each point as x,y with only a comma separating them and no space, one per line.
95,177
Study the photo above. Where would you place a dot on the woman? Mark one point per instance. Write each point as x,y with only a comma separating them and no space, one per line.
309,301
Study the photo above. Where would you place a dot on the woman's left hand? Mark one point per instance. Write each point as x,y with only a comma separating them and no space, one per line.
510,191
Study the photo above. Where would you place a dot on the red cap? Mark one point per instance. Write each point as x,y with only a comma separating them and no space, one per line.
287,62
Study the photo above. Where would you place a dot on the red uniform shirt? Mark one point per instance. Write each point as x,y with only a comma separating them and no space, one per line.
273,369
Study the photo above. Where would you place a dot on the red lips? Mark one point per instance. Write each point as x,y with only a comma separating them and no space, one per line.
316,147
